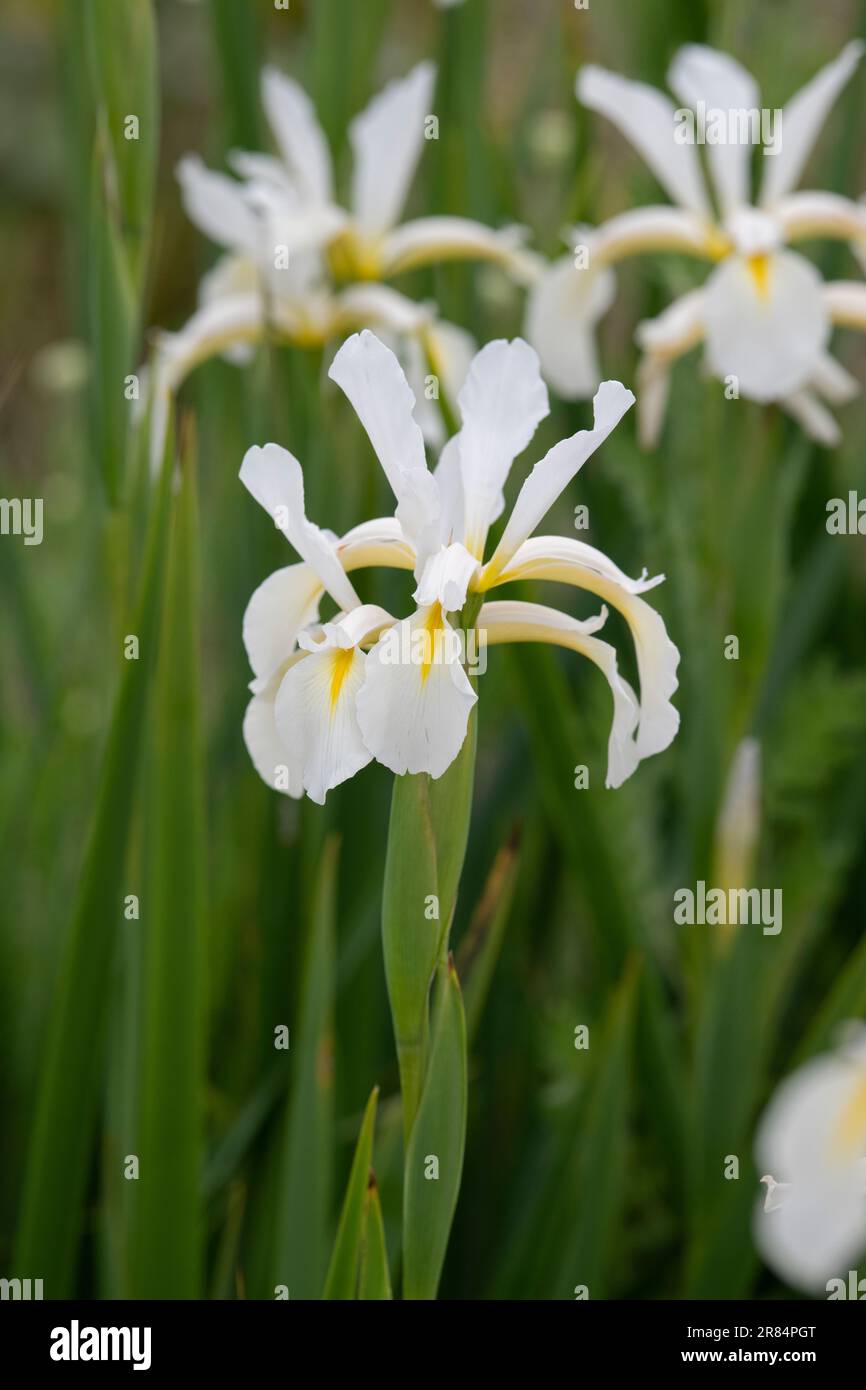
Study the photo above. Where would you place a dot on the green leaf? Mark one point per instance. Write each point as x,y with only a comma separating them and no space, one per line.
374,1281
236,31
62,1134
480,947
342,1280
168,1222
427,836
434,1158
305,1180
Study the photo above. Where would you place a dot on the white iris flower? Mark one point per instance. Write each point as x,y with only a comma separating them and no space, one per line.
811,1145
328,697
764,315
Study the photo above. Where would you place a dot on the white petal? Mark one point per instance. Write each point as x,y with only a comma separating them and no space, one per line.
429,240
766,323
378,542
675,331
317,721
387,139
373,306
567,561
646,118
811,214
373,380
552,474
833,382
813,1135
530,622
501,404
701,74
845,302
659,228
562,310
450,484
286,602
275,479
813,417
270,756
653,391
414,712
217,205
802,120
301,140
446,578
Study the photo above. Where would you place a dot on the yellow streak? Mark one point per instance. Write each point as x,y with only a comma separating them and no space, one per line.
759,267
342,662
432,623
850,1132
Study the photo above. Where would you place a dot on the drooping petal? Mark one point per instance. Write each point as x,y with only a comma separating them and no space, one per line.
845,302
701,74
371,377
386,139
275,479
569,561
562,310
674,332
374,306
217,205
766,323
414,705
647,119
501,404
802,120
659,228
531,622
433,240
438,354
833,382
300,139
280,607
809,214
813,417
316,718
271,758
379,542
552,474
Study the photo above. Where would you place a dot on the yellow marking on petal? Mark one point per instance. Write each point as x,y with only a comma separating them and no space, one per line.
350,259
718,245
849,1135
342,662
432,624
759,268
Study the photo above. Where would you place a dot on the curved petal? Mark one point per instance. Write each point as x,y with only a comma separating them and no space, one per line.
380,542
766,323
386,141
287,601
414,705
701,74
802,120
432,240
833,382
366,306
531,622
316,719
300,139
663,339
647,119
501,404
810,214
370,376
217,205
270,757
654,229
552,474
845,302
450,484
562,310
440,352
567,561
275,479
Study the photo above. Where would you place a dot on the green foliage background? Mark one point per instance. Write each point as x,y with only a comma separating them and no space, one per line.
155,1037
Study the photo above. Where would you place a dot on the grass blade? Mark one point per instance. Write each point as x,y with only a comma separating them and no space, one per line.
374,1280
343,1272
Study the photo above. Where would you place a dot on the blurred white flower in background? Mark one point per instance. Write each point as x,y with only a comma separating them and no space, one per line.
330,696
764,316
811,1144
303,268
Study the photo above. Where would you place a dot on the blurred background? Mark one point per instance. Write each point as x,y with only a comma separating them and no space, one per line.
601,1166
